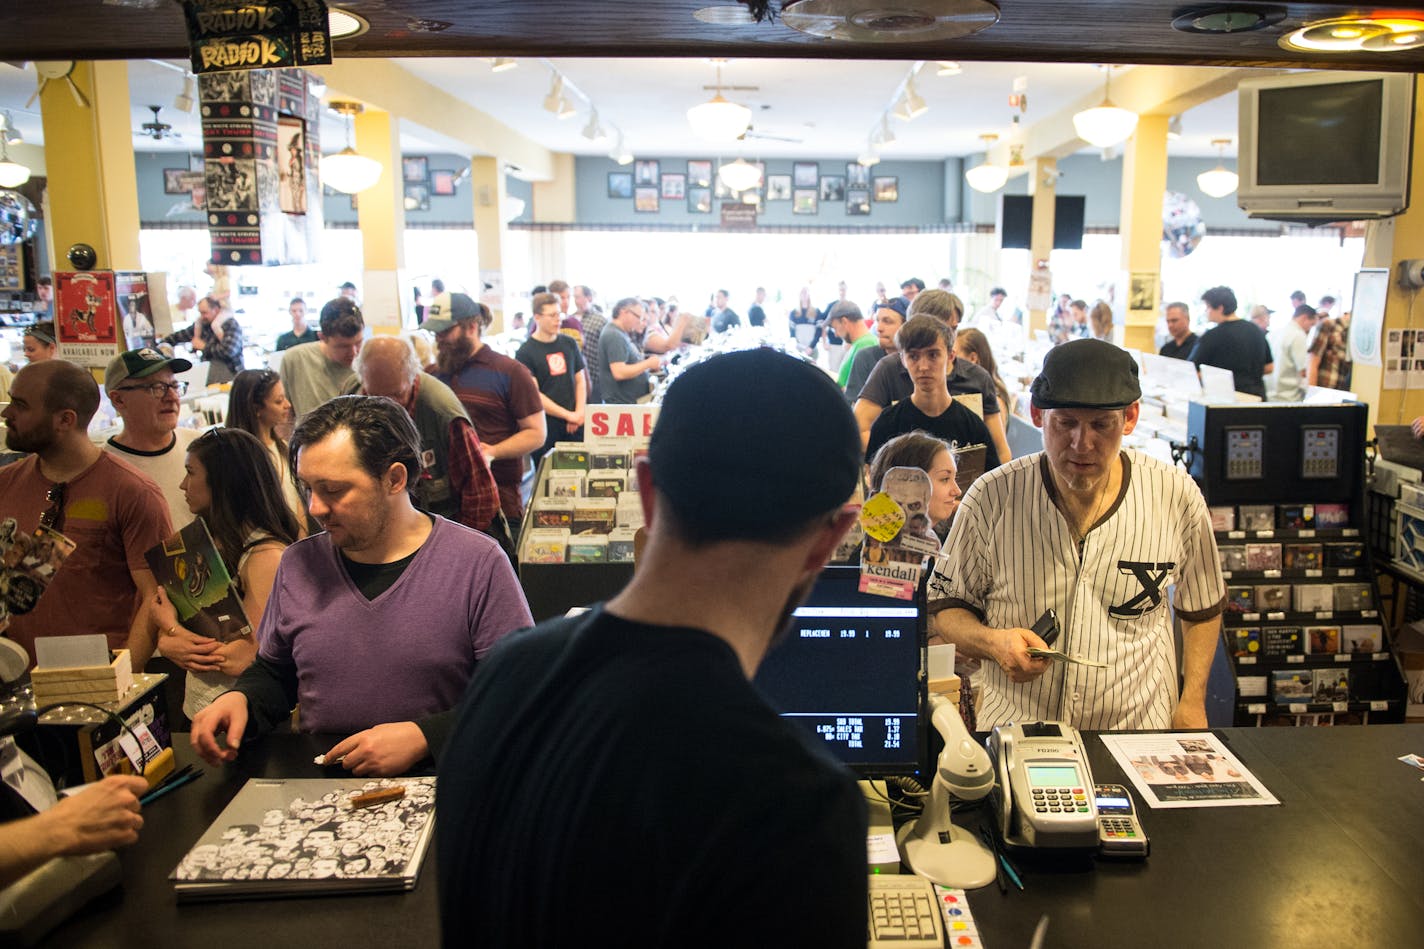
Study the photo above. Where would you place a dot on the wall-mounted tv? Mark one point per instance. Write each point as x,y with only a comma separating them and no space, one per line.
1319,147
1016,221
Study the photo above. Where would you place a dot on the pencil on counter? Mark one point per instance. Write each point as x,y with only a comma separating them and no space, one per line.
378,796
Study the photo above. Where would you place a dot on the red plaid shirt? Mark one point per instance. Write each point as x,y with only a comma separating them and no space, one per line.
1332,344
470,476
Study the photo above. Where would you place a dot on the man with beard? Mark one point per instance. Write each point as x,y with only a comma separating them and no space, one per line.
1099,535
499,393
376,624
110,510
637,721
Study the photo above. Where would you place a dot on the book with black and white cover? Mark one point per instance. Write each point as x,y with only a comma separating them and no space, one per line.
302,837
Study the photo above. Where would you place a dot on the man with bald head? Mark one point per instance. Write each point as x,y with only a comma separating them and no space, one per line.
456,482
111,511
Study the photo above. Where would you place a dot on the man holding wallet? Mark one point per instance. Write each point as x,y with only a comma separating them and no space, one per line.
1100,536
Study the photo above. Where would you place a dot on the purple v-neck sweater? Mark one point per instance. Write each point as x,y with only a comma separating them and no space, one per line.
404,655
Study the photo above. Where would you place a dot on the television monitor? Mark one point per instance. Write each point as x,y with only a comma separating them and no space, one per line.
851,671
1016,221
1319,147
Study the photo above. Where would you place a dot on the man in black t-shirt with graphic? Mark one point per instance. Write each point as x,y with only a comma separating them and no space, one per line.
591,750
557,365
1234,344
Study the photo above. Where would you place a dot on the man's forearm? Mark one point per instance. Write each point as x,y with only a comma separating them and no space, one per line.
971,638
519,444
1199,641
997,431
553,408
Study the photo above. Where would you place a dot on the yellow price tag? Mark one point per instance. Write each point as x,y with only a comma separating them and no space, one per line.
882,517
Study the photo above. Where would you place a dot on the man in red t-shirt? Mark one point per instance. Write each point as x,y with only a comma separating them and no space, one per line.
111,511
500,395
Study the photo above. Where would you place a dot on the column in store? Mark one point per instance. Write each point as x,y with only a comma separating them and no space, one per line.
554,204
1043,186
381,214
1144,181
487,188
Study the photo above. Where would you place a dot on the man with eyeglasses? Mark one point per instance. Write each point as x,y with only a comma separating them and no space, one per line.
111,511
145,393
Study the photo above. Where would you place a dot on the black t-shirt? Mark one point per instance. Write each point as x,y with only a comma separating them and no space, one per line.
554,366
609,783
1238,345
1183,350
373,579
756,316
956,424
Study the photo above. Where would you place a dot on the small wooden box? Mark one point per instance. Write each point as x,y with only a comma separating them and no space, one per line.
97,684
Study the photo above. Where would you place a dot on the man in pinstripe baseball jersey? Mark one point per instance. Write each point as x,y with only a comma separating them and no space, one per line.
1098,534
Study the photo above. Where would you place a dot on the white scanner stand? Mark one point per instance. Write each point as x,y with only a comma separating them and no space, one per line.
931,845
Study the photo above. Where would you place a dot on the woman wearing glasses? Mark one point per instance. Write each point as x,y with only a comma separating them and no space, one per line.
258,405
232,486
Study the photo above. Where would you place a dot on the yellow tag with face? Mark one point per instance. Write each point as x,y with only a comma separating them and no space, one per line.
882,517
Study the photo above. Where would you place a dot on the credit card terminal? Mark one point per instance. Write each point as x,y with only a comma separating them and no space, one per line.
1119,833
1044,786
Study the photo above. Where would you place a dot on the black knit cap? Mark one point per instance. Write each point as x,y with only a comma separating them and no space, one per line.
760,441
1086,374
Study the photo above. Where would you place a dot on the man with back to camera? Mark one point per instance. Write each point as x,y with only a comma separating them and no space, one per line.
1233,343
557,366
376,624
312,373
1261,316
109,509
301,331
622,368
636,721
1292,356
756,315
455,480
1179,328
594,321
1098,534
144,391
499,394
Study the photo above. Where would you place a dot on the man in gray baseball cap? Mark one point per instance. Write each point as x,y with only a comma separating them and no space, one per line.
1097,534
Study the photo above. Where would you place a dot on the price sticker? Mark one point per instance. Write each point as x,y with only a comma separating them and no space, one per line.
882,517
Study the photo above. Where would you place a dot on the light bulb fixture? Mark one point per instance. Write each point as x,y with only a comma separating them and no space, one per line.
12,173
1374,34
593,131
183,101
1105,125
911,105
554,101
886,136
718,119
620,152
1220,181
739,175
869,158
986,177
1174,128
565,109
948,68
12,131
347,171
502,64
343,24
511,207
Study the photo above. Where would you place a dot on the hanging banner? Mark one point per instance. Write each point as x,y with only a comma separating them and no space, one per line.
225,35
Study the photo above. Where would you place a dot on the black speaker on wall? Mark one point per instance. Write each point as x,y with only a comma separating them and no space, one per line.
1016,221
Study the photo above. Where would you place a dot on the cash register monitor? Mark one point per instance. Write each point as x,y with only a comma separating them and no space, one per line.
850,672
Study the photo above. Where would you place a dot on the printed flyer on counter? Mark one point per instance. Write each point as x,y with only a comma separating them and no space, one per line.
1186,770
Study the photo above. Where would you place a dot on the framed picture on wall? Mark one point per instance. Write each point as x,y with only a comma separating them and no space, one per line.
442,182
699,200
803,201
674,186
858,202
833,188
199,193
174,181
887,189
778,187
415,170
699,174
645,200
857,175
805,174
417,197
620,184
645,173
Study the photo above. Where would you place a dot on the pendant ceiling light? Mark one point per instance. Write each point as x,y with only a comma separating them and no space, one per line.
1220,181
987,177
12,173
347,171
718,119
1105,125
739,175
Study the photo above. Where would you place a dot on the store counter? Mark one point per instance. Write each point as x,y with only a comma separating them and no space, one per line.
1336,863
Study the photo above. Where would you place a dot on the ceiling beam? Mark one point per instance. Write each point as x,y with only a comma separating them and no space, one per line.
1146,90
385,85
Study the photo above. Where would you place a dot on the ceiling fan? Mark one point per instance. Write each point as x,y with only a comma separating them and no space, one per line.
752,132
158,130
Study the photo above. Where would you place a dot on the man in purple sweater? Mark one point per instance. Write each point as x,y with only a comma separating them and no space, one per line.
376,624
